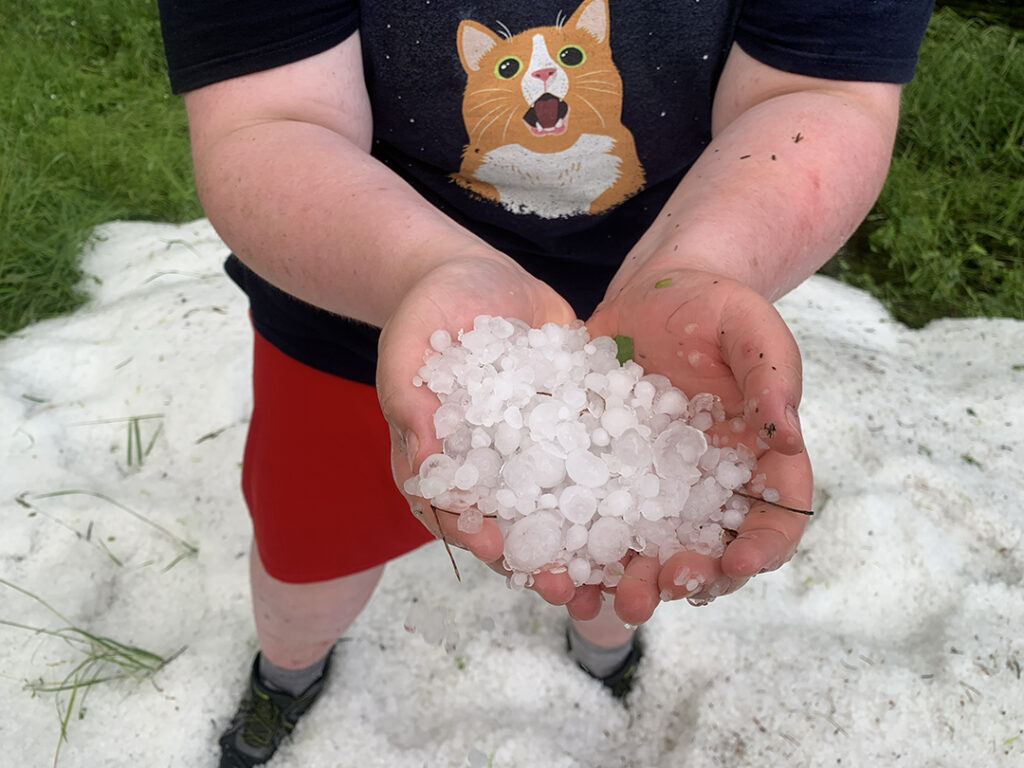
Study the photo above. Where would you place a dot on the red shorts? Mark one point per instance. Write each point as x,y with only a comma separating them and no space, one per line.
311,435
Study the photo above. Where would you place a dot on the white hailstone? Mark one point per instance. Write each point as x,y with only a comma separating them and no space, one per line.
770,495
732,518
609,540
702,421
578,504
672,402
471,520
731,475
576,538
447,419
647,485
506,497
632,449
513,416
615,503
506,438
579,570
586,468
678,449
547,470
487,462
547,501
440,340
533,542
578,458
466,476
617,419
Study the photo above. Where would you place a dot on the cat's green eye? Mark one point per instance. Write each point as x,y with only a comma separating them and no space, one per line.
507,68
572,56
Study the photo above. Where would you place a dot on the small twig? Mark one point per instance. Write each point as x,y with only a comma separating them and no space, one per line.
118,420
22,499
807,512
492,516
440,531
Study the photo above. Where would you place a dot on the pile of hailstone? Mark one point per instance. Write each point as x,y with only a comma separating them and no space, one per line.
578,457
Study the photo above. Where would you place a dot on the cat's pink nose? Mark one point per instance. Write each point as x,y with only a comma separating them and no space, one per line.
543,74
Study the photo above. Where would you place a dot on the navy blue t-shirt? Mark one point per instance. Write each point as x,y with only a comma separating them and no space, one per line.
555,130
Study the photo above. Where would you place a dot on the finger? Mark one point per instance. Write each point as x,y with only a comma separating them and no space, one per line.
585,603
637,594
764,357
555,588
696,578
408,409
686,575
769,534
486,544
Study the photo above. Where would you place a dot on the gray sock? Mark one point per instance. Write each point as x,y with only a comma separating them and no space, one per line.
291,681
600,662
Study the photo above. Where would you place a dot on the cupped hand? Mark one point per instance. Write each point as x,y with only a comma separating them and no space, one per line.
708,333
450,297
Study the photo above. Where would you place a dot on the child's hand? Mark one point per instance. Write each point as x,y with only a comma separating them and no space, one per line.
711,334
450,297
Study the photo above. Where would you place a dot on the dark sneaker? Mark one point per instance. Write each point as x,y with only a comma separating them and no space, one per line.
620,681
264,719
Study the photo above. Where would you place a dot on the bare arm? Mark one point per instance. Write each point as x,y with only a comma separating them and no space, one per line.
794,166
284,173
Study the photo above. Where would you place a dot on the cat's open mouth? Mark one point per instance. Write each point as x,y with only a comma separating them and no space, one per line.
547,116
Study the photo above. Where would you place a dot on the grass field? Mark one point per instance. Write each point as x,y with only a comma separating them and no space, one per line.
90,133
946,238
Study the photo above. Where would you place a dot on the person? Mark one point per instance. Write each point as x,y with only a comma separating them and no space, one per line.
380,170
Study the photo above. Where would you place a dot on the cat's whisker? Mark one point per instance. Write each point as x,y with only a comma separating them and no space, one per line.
504,133
499,110
485,102
598,90
593,73
471,94
596,110
480,134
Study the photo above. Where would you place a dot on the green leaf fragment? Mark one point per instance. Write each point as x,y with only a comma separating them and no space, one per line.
665,282
624,346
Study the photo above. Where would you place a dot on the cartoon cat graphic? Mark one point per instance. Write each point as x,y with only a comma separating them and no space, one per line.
543,113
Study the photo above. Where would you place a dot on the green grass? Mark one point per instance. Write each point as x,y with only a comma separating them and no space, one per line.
88,133
97,659
946,238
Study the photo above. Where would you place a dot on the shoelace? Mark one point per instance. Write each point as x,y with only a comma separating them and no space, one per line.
262,719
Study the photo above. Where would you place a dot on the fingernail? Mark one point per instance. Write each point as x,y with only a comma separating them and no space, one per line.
719,588
412,447
793,418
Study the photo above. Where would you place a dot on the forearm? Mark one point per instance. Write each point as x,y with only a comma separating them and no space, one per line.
777,192
315,215
284,173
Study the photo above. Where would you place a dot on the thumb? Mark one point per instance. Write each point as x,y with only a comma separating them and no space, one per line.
765,360
408,408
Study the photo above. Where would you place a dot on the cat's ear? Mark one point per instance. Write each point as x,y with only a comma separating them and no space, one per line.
591,17
475,40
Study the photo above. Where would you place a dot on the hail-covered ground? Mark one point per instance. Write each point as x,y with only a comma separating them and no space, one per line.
892,638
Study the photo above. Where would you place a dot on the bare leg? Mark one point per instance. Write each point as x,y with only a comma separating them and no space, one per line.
605,630
298,623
